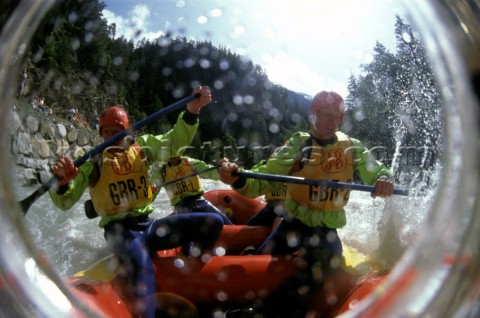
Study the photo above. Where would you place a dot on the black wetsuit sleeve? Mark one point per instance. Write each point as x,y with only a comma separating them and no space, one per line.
190,118
63,188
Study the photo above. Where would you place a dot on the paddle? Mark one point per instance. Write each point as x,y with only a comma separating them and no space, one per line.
28,201
323,183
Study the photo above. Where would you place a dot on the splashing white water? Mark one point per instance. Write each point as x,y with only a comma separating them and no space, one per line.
71,241
381,229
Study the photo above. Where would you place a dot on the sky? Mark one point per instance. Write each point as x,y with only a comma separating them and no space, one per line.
304,45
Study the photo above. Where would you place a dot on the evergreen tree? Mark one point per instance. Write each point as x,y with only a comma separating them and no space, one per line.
394,106
76,60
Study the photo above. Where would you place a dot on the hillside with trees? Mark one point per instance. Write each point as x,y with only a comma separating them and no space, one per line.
76,59
394,106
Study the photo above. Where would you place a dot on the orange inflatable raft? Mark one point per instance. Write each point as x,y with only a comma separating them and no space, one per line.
187,282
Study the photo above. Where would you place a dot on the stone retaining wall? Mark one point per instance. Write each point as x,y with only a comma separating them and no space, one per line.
37,141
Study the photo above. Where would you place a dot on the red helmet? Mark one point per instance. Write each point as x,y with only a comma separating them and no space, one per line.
327,100
112,116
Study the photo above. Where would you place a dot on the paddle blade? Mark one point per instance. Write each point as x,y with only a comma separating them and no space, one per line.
26,203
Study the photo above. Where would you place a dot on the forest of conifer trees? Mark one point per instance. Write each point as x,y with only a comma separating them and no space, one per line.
76,59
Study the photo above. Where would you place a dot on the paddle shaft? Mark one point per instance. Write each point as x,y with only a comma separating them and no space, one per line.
318,183
28,201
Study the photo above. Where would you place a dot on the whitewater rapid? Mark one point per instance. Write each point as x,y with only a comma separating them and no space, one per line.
380,228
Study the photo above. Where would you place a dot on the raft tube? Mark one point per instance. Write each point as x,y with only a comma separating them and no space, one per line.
220,280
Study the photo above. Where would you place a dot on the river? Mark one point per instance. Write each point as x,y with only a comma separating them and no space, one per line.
381,229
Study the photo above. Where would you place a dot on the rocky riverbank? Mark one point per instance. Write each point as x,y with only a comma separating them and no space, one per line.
37,140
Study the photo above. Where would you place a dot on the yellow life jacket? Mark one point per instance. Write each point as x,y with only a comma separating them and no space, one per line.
279,194
183,188
123,183
331,163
